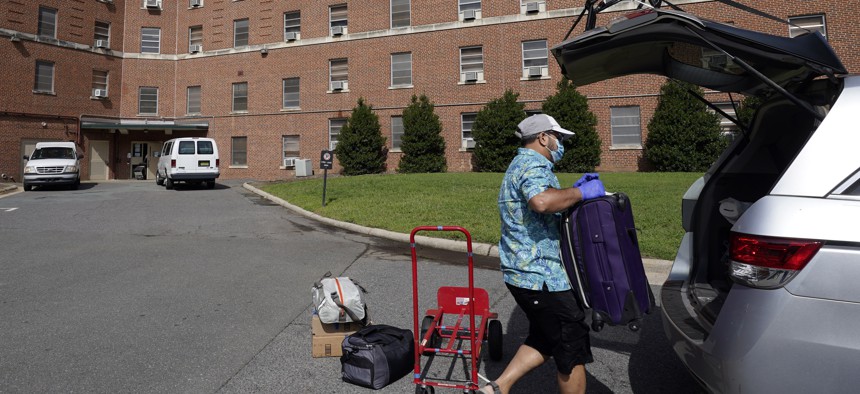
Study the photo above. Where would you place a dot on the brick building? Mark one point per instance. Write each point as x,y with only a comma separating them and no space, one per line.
274,80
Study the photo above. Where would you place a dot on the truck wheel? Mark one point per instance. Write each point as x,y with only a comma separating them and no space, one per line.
76,185
28,187
168,183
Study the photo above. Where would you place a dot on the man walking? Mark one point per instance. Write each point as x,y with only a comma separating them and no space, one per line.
530,205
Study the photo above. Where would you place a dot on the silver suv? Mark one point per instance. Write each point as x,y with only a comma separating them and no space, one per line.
764,294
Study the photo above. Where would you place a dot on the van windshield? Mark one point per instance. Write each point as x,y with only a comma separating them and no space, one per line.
53,153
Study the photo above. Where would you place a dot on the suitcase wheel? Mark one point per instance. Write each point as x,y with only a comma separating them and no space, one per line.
424,390
597,326
634,325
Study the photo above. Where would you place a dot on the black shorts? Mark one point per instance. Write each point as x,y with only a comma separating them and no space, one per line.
556,326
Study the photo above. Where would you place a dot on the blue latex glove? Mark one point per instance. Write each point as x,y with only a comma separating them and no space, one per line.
585,178
592,189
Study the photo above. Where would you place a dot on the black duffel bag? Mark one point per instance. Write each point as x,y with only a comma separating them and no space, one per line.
377,355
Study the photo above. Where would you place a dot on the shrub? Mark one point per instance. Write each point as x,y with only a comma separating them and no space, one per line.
570,110
422,144
683,135
493,131
361,147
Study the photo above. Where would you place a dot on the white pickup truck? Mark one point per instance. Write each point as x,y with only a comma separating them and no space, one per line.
53,163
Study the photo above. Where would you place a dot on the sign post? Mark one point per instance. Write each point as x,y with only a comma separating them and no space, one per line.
326,158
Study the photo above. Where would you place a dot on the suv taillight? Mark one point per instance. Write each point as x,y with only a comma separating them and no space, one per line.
769,262
173,163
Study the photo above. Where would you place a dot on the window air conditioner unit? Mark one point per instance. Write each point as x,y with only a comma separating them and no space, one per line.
290,36
196,3
471,76
337,30
106,1
195,48
100,93
290,162
337,85
532,7
535,72
468,143
152,3
468,15
101,44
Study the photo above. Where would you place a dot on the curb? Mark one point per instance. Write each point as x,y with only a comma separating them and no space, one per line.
8,189
657,270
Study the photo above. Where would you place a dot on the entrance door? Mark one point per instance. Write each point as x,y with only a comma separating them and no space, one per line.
98,154
152,162
143,153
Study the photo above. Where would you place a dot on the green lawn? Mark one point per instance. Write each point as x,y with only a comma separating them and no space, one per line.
400,202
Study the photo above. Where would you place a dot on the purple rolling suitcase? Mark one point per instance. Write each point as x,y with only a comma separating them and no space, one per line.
600,252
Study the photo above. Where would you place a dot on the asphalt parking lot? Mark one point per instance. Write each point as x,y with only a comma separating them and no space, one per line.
127,287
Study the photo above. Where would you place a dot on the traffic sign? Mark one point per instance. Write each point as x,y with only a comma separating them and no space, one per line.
326,159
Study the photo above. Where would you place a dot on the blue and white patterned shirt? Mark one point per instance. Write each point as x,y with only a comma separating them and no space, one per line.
529,247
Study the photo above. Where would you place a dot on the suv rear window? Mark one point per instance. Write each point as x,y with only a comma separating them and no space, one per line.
186,147
205,147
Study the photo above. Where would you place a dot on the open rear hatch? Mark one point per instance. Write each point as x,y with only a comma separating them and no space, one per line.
724,58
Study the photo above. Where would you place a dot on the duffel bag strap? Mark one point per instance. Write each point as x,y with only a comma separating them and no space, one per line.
351,314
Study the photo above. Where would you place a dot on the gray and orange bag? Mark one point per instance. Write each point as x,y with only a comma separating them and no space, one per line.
339,300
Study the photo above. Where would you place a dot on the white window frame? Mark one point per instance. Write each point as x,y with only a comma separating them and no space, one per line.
99,33
805,22
38,82
188,95
47,20
140,100
334,124
237,96
407,12
340,22
396,133
399,63
463,5
285,102
293,27
144,41
470,66
467,122
237,34
195,36
341,77
535,57
97,83
286,141
617,125
233,162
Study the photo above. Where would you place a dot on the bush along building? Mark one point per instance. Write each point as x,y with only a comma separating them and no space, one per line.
273,82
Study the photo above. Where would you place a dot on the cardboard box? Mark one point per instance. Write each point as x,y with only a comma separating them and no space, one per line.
326,339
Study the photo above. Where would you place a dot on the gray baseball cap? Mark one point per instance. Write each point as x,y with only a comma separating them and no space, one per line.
538,124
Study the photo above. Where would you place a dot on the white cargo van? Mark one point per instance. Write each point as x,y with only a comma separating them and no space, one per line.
189,159
53,163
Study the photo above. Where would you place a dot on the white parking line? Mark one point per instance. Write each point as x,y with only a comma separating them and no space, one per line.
8,209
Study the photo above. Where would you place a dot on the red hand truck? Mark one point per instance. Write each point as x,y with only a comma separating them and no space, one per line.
439,339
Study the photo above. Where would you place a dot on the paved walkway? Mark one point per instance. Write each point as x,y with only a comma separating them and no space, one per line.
656,269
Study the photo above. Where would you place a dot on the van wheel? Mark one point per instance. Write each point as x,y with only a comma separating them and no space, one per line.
158,179
168,183
28,187
210,184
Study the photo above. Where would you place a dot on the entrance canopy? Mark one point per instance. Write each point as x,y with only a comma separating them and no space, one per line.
143,124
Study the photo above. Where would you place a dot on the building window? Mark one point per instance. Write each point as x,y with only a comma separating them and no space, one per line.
47,22
147,101
337,19
291,92
44,82
338,74
240,33
532,6
401,69
334,126
195,3
466,122
290,147
239,151
195,39
471,64
626,132
469,9
728,129
535,63
100,83
192,100
292,25
800,25
400,13
240,97
150,40
396,132
101,34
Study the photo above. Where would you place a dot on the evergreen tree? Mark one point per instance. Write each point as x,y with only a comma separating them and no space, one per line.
683,135
570,110
361,147
747,109
422,144
493,131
